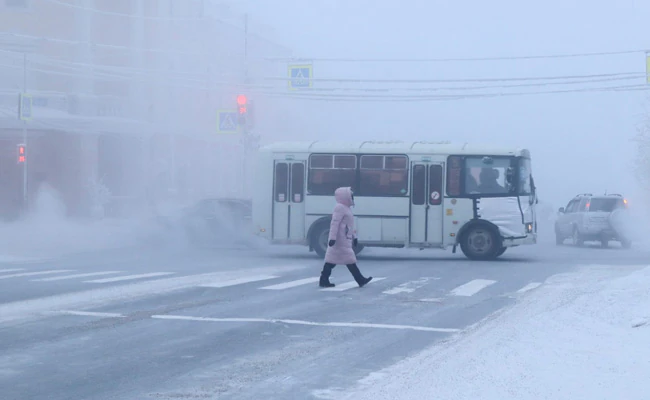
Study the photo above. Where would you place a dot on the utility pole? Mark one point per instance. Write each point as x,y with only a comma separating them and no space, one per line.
249,139
245,133
25,188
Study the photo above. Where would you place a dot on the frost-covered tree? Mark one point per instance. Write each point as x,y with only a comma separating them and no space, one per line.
642,160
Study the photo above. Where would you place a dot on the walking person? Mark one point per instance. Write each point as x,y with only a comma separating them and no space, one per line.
342,240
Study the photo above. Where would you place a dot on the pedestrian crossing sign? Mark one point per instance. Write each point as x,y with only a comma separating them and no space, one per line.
300,77
227,121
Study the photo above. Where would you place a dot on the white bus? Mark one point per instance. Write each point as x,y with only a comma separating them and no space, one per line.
417,194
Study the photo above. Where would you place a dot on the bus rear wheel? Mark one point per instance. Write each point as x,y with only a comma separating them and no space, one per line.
481,242
320,238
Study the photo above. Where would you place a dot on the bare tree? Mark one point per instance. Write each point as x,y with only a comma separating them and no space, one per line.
642,159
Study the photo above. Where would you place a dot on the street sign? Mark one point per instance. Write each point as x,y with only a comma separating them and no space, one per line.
25,107
227,121
300,76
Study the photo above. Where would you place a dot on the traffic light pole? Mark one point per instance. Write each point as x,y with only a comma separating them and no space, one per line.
27,155
245,133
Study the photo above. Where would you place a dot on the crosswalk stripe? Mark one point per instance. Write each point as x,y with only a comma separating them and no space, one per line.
54,271
408,287
472,287
60,278
130,277
287,285
530,286
239,281
4,271
348,285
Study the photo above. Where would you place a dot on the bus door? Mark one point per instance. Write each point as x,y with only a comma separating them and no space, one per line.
289,200
426,216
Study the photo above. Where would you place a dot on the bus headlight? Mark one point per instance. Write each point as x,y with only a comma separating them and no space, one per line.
529,228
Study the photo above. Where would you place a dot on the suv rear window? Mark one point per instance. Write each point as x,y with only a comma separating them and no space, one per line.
605,205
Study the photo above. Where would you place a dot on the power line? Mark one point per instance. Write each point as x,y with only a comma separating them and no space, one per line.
534,78
125,15
459,59
451,97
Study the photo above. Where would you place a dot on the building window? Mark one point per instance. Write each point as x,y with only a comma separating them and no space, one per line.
383,175
16,3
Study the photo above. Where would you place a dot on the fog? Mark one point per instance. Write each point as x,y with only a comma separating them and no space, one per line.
383,70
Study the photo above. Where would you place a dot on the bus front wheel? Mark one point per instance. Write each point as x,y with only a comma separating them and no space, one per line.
481,242
320,237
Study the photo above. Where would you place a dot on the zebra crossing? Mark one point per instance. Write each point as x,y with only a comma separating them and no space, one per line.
389,286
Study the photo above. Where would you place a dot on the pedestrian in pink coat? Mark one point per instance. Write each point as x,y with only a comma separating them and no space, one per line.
342,240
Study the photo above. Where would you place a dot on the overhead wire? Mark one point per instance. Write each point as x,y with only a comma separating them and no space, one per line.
458,59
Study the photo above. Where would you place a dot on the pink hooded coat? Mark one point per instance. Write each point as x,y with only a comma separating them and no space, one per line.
342,229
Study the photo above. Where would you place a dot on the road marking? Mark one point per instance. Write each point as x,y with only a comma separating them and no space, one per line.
348,285
90,314
103,296
130,277
239,281
59,278
472,287
408,287
432,300
287,285
310,323
54,271
530,286
2,271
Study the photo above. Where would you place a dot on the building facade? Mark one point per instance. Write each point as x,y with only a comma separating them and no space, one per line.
124,99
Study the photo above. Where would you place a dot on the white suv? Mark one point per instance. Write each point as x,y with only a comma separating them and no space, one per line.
593,218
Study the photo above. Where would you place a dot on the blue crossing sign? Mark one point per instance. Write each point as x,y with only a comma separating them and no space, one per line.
227,121
300,76
25,107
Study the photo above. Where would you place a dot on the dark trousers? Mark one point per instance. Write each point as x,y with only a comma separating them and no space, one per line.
328,267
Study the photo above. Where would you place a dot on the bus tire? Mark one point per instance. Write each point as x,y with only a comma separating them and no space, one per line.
481,241
320,236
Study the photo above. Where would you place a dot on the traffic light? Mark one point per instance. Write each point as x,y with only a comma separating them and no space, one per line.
22,153
245,111
242,109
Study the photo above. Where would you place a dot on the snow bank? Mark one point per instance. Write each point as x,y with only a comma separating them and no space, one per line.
583,335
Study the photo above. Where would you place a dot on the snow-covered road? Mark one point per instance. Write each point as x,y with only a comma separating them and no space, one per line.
173,323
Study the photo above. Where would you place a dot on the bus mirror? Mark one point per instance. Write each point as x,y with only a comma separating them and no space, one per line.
561,210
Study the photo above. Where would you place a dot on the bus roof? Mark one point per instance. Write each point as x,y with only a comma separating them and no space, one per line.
391,147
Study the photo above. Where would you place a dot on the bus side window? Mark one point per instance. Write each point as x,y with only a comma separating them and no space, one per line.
435,185
327,172
281,182
383,175
297,182
418,193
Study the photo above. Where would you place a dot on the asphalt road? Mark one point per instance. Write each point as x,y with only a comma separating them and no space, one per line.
246,324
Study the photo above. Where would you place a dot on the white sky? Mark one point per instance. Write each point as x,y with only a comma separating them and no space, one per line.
579,141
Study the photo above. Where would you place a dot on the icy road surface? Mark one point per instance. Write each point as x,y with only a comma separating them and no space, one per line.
242,324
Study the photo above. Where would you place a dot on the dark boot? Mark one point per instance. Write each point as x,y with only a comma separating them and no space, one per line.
354,270
325,276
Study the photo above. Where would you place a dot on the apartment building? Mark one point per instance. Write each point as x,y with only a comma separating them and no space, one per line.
124,96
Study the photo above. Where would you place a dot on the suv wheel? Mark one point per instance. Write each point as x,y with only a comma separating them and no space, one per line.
577,238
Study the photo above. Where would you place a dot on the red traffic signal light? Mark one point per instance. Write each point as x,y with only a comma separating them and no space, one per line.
242,102
22,153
